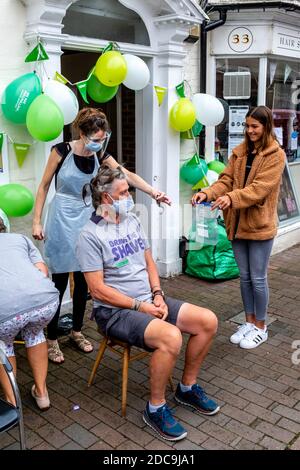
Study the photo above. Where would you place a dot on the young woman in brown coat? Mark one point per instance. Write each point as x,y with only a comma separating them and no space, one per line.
247,191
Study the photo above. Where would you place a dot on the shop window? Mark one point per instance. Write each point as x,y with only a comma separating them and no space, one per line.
288,207
283,97
237,84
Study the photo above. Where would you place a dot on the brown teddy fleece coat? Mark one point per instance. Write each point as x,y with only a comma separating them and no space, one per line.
253,211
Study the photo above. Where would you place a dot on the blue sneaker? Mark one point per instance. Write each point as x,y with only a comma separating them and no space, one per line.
197,399
164,423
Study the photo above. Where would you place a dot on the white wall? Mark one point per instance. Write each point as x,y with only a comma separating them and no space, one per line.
12,54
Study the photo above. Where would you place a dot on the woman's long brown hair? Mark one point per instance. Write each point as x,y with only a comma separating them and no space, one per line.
262,114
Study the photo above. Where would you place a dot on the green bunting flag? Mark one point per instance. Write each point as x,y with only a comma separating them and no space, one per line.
91,73
38,53
201,184
21,151
160,93
107,48
1,141
195,160
180,90
193,132
81,86
60,78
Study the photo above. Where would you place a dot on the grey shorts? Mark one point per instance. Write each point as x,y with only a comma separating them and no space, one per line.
129,325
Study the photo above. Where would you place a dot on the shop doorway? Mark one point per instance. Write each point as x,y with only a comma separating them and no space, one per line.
120,111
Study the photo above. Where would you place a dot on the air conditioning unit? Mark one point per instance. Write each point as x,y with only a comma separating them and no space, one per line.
237,85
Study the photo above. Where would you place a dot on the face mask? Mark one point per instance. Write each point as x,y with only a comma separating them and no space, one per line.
123,206
94,146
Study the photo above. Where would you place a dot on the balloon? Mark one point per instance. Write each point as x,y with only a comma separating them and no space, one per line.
193,170
216,166
44,119
209,110
211,176
64,98
182,115
19,95
5,220
111,68
226,110
15,200
138,74
99,92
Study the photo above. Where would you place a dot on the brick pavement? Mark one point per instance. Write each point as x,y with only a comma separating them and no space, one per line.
258,390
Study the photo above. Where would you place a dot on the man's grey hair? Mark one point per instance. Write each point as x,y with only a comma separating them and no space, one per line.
3,228
102,183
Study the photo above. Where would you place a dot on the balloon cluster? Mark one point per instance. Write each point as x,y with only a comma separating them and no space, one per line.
113,68
203,108
200,174
44,113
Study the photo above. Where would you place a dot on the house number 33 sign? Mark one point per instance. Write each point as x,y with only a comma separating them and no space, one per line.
240,39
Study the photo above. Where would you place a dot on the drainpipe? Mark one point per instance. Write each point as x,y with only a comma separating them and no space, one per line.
205,27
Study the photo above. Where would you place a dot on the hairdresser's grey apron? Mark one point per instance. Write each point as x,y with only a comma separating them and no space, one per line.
66,217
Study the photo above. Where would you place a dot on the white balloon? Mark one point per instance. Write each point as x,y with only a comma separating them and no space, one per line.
138,74
64,98
5,220
209,109
211,176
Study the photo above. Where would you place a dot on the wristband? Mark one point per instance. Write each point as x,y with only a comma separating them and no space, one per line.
158,292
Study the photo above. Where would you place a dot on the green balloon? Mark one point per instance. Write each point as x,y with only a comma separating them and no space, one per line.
191,172
100,93
44,119
19,95
15,200
216,166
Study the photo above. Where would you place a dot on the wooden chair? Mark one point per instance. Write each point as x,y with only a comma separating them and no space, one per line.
125,353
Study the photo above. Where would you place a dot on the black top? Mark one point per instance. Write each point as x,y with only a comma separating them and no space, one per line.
250,159
84,164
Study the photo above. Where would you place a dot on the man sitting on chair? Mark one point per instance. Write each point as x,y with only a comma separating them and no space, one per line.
129,304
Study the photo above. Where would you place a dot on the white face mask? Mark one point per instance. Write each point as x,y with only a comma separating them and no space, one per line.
123,206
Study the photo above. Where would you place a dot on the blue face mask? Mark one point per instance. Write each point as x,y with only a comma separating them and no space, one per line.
94,146
123,206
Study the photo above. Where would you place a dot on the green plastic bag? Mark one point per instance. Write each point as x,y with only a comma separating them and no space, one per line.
212,262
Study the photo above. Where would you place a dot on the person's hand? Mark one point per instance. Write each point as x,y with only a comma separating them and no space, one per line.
160,196
38,232
198,198
158,301
223,202
157,312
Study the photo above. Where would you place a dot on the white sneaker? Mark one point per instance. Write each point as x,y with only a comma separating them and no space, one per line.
241,332
254,338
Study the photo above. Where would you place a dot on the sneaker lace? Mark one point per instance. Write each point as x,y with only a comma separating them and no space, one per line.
166,415
201,393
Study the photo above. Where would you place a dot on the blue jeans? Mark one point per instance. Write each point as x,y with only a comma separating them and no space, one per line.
252,257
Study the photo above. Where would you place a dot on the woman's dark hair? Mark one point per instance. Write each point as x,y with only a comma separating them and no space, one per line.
262,114
2,226
89,121
102,183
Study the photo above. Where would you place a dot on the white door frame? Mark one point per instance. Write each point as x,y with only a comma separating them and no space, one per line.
157,146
